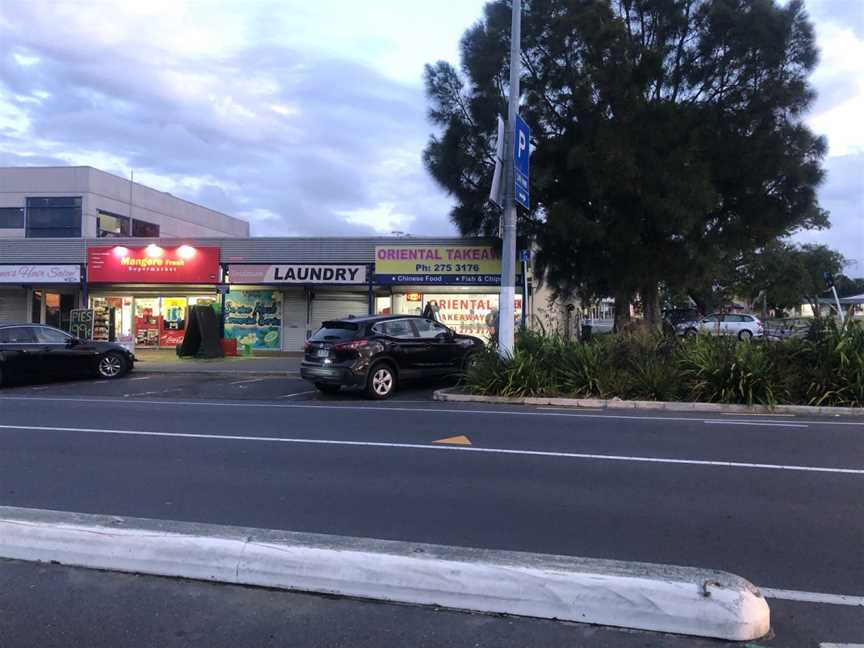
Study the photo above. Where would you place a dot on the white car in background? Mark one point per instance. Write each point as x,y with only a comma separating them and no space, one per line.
742,325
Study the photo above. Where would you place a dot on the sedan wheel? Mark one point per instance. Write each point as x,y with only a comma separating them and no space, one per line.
111,365
382,382
745,335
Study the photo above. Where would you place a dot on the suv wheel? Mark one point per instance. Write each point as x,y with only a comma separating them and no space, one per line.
745,335
381,382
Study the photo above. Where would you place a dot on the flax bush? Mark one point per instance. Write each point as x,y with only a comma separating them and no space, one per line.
826,367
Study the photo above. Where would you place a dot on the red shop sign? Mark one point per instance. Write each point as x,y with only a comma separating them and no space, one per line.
153,264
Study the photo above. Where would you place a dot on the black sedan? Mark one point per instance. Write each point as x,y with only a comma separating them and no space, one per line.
377,353
33,351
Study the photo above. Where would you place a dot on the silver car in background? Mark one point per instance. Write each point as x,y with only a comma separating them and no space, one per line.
744,326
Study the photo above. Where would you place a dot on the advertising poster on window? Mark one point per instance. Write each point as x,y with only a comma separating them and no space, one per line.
254,317
173,321
475,315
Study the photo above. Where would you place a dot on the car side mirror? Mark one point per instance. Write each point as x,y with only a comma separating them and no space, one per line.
73,342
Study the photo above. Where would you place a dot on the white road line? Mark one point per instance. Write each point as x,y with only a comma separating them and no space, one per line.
756,414
757,423
422,446
140,378
429,410
312,391
841,645
812,597
248,380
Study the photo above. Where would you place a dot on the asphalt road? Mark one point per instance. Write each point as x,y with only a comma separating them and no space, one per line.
778,500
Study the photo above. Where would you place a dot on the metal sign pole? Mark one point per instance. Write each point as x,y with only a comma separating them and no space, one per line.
506,315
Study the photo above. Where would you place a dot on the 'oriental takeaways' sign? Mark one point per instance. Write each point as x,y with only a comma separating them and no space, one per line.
438,264
297,273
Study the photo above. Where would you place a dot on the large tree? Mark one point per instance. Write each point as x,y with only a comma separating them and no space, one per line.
667,135
787,275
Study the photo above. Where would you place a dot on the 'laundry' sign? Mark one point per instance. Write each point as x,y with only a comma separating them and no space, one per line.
297,273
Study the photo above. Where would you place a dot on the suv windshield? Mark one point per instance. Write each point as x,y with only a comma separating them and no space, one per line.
331,331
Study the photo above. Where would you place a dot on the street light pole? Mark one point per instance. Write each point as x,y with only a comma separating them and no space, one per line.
506,316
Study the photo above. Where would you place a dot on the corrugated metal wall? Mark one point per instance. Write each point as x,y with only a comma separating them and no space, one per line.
252,250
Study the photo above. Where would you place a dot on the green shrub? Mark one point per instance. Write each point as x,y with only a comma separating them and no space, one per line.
825,367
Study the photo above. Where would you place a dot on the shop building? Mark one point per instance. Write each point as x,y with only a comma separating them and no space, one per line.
270,293
48,213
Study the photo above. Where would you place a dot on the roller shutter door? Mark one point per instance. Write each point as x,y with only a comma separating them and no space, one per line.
331,306
13,305
293,321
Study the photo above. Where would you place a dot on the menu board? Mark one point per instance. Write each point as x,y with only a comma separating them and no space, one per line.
81,323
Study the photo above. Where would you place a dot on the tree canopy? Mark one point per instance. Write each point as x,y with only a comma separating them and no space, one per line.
788,274
667,136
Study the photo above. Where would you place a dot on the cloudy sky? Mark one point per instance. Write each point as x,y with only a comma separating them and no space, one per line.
304,117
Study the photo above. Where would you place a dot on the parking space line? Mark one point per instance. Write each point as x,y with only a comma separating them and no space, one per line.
141,378
313,391
247,380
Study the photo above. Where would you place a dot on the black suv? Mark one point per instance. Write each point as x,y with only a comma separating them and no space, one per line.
376,353
32,350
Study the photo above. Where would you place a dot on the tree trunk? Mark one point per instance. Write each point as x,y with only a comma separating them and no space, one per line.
622,308
650,304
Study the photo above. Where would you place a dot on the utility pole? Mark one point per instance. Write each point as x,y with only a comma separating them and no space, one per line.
506,315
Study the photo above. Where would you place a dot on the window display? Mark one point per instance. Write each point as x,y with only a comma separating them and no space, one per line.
173,324
147,322
254,317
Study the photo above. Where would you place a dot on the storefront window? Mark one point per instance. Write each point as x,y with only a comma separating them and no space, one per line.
173,321
58,307
36,307
147,321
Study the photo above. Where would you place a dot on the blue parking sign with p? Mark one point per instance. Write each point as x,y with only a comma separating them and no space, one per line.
521,156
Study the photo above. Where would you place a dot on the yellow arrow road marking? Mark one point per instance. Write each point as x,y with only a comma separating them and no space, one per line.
455,440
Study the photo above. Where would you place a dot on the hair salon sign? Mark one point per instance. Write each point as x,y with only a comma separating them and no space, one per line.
40,274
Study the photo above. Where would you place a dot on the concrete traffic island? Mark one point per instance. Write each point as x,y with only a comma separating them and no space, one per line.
642,596
460,395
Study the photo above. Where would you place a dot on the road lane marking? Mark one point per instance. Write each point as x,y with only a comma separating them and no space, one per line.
756,414
812,597
756,423
422,446
455,440
312,391
140,378
840,645
389,408
247,380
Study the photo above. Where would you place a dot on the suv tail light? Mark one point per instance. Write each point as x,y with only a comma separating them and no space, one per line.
352,345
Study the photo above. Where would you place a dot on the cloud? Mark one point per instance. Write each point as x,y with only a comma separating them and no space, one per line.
290,114
299,143
843,196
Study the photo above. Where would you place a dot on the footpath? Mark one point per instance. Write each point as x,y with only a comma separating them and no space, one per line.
169,362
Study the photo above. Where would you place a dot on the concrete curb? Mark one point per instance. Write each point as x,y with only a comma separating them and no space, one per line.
643,596
454,394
